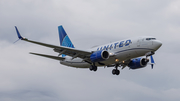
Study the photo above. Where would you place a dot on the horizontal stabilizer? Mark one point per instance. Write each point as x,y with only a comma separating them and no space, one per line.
49,56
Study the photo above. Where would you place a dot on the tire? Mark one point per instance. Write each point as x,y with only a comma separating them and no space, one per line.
91,68
95,68
114,71
117,72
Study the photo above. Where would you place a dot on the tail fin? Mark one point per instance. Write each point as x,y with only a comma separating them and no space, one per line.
64,39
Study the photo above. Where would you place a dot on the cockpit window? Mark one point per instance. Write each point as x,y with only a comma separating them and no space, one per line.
150,38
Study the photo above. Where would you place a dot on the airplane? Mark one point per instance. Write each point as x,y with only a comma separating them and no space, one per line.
131,52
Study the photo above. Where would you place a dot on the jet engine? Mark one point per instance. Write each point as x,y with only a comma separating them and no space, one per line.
99,56
138,63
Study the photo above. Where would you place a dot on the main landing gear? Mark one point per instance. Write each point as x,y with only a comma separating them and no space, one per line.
116,71
93,67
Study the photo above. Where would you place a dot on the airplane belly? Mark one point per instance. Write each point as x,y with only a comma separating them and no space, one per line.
76,64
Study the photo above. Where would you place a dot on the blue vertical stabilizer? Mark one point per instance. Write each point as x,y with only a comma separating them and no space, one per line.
64,39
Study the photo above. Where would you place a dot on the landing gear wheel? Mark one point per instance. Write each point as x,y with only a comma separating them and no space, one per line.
91,68
115,71
94,68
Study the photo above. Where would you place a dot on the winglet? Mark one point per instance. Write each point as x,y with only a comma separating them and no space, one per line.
18,34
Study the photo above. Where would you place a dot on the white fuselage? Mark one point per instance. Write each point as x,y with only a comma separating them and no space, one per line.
121,50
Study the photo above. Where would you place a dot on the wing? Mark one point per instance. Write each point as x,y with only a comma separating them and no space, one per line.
60,49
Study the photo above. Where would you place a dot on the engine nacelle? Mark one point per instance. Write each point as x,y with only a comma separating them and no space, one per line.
99,56
138,63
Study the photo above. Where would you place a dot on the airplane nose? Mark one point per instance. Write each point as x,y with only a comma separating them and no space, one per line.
157,44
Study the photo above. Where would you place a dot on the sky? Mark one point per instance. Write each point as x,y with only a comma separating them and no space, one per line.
25,77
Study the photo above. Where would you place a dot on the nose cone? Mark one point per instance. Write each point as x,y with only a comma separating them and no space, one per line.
157,44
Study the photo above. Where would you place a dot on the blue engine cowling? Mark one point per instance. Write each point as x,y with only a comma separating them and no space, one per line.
137,63
99,56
